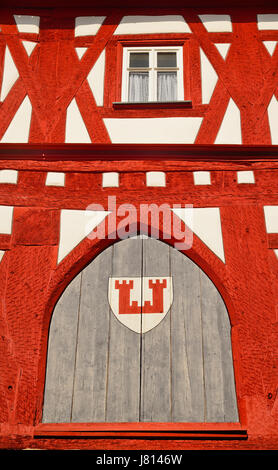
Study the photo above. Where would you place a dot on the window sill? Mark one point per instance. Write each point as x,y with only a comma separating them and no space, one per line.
216,431
153,105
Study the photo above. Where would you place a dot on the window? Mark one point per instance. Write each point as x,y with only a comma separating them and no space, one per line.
152,74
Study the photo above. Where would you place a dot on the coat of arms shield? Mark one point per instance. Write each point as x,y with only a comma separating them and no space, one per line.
140,303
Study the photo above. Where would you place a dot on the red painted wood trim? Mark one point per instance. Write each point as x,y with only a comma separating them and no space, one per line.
272,240
153,105
67,152
5,241
133,4
162,430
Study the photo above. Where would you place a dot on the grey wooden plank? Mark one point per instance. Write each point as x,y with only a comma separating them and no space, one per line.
89,395
186,341
156,352
61,356
123,386
218,366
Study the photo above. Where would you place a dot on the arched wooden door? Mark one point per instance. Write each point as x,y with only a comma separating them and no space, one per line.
113,358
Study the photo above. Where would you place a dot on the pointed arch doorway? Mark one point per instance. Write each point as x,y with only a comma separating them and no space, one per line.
113,358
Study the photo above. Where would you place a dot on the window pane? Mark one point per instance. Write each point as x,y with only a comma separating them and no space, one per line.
166,86
139,59
166,59
138,86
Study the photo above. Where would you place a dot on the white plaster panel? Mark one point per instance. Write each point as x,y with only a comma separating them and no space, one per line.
75,225
110,180
206,224
152,24
271,218
76,131
217,23
267,21
223,48
230,129
8,176
10,74
96,79
245,177
209,78
153,130
273,120
80,51
88,25
155,178
270,46
55,179
6,218
1,255
201,177
27,23
18,130
29,46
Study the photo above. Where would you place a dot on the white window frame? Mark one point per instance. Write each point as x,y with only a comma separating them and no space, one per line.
153,69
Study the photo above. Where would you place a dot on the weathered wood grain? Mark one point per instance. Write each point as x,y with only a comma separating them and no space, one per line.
156,348
220,398
123,383
92,342
186,341
61,356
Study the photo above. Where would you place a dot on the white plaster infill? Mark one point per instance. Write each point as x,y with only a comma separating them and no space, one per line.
110,180
267,21
205,222
217,23
75,225
140,24
8,176
18,130
246,177
271,218
88,25
201,177
27,23
156,178
55,179
10,74
96,79
273,119
6,219
209,78
176,130
230,129
76,131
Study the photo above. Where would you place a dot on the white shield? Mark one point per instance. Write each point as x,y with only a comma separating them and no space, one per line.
140,303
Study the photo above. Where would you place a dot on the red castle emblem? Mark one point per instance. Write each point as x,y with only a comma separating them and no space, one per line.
126,306
140,303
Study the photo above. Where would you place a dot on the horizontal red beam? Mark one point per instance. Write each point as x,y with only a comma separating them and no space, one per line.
162,430
87,152
134,4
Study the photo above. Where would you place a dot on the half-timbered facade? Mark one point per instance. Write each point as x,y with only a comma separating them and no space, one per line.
138,226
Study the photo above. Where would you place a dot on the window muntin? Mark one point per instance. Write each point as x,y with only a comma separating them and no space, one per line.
152,74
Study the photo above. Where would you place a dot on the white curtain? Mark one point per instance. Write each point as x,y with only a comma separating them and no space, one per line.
166,86
138,87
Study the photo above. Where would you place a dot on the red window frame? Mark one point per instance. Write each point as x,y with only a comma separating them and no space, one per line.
180,41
